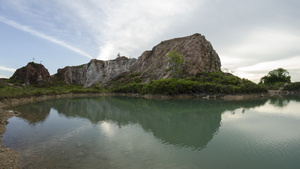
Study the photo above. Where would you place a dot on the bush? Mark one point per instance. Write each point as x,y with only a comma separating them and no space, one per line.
275,76
292,87
209,83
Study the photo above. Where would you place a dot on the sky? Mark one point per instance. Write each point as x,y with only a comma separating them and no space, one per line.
251,37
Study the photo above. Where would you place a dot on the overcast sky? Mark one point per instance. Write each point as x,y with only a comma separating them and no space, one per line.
252,37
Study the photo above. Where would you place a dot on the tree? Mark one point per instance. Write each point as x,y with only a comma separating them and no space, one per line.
275,76
176,62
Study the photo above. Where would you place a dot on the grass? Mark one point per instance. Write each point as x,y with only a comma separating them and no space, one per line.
13,91
201,83
209,83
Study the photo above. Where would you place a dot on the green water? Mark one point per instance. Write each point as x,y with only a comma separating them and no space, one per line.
122,132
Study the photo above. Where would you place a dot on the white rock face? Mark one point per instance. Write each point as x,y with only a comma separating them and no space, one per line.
96,71
104,71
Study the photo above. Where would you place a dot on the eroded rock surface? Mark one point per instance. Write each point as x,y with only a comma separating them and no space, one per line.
96,71
198,53
32,73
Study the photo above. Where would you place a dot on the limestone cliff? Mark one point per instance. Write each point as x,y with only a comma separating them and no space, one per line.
198,53
96,71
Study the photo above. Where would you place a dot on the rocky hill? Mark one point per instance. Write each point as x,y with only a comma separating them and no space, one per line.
32,74
198,53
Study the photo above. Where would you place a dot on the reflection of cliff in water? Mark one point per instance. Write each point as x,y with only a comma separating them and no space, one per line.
34,113
190,123
283,101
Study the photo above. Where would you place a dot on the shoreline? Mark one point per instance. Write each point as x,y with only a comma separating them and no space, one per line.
8,157
12,159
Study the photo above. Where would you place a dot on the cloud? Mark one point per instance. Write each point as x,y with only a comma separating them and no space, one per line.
256,71
291,63
249,37
43,36
264,44
131,25
127,27
261,50
7,69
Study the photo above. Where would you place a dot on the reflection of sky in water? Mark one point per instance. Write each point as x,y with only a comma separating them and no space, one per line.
291,109
107,128
269,129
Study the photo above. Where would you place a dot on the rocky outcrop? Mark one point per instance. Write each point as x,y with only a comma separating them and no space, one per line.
32,74
96,71
198,53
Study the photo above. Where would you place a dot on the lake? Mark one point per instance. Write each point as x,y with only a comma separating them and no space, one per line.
131,133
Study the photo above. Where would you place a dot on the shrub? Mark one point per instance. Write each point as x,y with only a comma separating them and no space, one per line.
292,87
275,76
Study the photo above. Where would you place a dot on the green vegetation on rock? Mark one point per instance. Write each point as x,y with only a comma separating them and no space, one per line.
292,87
201,83
176,62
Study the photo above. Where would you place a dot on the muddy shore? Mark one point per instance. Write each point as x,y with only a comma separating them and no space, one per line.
12,159
8,157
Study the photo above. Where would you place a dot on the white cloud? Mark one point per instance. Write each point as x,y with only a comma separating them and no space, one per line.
120,26
264,44
256,71
132,24
7,69
43,36
291,63
230,61
262,50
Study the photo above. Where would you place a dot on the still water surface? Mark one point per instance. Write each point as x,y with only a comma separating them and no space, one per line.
122,132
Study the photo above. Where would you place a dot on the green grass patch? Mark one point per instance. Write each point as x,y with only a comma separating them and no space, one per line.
209,83
13,91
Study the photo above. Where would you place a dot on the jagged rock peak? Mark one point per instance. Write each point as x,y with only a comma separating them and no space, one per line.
197,51
32,74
